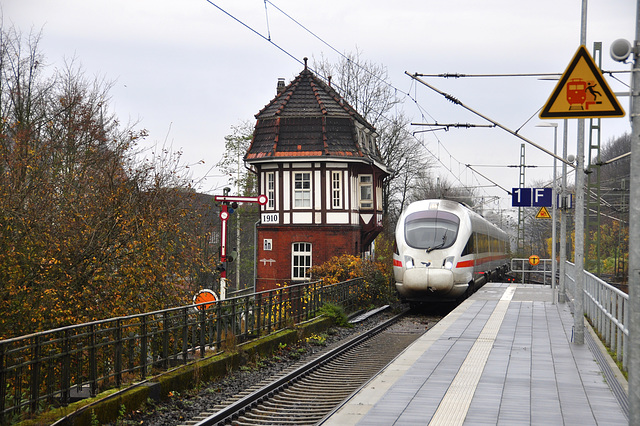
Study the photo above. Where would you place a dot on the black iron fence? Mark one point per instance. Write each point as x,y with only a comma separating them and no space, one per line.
53,368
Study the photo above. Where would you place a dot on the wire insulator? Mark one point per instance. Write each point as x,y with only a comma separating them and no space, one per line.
452,99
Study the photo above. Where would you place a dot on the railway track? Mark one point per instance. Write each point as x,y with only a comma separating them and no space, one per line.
305,394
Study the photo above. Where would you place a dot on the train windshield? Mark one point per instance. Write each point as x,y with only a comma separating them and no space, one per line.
431,229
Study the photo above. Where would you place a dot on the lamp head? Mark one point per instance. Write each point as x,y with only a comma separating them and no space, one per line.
620,50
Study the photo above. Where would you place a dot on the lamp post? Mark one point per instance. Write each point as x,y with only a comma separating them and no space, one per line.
633,365
621,50
554,196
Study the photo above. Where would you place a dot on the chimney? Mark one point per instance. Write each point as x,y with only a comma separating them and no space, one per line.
280,86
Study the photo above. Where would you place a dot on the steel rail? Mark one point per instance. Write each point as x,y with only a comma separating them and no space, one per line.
238,407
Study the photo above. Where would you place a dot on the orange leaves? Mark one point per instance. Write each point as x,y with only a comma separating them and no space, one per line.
87,231
377,279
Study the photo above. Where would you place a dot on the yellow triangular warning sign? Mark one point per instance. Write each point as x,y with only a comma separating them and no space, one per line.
543,213
582,92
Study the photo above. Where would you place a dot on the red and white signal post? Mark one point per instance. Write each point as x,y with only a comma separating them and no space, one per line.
224,216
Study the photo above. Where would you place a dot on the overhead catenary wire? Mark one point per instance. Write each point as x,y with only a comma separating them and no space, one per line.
268,39
619,157
446,126
539,75
342,55
406,94
460,103
496,184
512,166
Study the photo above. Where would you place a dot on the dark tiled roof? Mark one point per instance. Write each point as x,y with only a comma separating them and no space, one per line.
309,118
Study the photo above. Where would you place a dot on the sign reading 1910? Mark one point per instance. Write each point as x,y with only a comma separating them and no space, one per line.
270,218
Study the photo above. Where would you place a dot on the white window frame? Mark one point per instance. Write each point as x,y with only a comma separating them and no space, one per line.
271,189
365,199
336,189
301,190
301,260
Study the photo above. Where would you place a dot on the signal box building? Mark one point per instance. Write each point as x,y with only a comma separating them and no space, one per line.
318,162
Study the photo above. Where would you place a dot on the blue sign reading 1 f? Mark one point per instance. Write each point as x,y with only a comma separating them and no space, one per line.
531,197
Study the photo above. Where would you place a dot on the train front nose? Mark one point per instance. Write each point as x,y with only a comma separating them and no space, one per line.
437,280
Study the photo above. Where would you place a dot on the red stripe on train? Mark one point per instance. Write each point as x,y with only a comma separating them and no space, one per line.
473,262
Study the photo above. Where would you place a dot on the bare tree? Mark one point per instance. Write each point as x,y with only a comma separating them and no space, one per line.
427,186
242,221
616,175
365,86
231,164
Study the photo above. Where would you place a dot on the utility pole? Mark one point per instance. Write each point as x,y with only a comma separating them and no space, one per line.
634,232
578,301
620,50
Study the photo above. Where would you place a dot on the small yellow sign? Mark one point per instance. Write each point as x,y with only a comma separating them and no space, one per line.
534,260
582,92
543,213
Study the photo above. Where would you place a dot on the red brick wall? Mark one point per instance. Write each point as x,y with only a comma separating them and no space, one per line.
327,241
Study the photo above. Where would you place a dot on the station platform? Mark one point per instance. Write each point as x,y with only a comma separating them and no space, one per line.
503,357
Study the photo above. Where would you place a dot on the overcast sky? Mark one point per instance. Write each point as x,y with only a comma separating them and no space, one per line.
188,72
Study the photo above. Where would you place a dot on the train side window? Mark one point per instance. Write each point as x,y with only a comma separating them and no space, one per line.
483,245
494,244
469,248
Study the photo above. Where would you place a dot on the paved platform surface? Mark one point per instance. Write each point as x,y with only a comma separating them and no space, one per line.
503,357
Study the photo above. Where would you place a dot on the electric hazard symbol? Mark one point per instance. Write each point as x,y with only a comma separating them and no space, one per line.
543,213
582,92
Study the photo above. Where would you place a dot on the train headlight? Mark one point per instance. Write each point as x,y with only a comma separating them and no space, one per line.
408,262
448,263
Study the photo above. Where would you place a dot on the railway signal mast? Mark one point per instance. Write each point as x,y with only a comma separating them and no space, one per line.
225,255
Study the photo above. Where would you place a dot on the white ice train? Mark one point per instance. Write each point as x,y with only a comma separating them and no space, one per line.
445,251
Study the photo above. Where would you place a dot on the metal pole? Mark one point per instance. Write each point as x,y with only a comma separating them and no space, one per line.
578,306
634,232
255,256
554,193
238,245
554,197
563,217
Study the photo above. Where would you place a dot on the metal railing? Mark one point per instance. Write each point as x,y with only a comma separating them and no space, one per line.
605,306
523,267
55,367
607,309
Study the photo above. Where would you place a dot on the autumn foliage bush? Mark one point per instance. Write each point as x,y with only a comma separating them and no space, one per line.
376,276
89,228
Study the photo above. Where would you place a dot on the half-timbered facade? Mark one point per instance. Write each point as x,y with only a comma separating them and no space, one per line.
318,162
